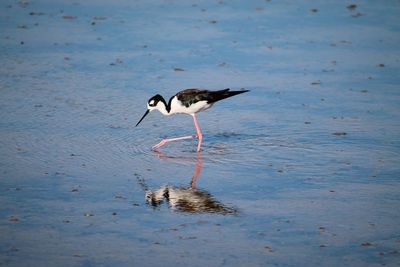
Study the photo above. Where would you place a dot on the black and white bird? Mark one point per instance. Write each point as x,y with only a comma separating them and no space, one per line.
190,200
189,101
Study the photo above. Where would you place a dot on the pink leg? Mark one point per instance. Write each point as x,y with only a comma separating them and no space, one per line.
166,141
199,135
197,170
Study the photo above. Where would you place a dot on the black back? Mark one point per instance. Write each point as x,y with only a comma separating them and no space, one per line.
191,96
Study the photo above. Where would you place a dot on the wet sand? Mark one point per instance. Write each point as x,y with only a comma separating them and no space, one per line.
303,170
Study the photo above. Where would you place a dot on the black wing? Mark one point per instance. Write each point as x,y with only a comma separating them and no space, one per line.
191,96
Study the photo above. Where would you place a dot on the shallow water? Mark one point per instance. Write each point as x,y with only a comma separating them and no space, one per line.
306,163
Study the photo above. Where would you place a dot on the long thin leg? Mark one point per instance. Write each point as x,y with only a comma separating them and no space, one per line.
166,141
199,165
199,134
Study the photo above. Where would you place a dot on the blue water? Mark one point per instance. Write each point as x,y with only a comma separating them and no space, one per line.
307,162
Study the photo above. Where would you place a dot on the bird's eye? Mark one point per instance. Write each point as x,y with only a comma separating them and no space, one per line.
151,103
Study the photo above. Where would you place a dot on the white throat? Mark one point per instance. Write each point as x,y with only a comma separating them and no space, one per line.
162,108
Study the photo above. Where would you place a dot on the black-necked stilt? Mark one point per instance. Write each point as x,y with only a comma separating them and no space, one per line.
189,101
188,198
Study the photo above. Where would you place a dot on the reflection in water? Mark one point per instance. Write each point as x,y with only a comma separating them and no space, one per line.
186,199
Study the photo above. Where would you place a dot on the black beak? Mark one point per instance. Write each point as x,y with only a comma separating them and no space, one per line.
145,114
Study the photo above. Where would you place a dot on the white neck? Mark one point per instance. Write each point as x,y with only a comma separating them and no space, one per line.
162,108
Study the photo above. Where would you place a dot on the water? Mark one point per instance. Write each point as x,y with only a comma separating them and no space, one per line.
300,171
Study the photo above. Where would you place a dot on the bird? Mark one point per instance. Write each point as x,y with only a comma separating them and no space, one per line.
188,101
188,199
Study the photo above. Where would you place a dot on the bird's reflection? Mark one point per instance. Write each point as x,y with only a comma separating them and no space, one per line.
186,199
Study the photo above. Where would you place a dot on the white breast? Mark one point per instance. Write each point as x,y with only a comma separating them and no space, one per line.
177,107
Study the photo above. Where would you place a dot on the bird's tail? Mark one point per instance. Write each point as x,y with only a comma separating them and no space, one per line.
222,94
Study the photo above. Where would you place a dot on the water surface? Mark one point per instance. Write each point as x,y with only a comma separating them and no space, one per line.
300,171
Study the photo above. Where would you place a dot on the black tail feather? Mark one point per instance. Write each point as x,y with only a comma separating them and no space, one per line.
222,94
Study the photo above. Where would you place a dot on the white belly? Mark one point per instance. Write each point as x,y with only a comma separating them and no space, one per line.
177,107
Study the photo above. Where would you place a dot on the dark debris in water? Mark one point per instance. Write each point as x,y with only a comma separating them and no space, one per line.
359,14
366,244
99,18
79,256
187,237
36,13
318,82
227,134
116,62
115,127
69,17
13,219
269,248
179,69
352,7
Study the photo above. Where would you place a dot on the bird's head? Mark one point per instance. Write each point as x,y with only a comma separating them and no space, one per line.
155,102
